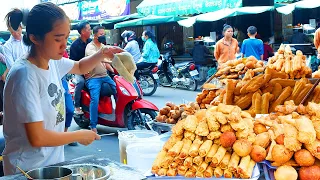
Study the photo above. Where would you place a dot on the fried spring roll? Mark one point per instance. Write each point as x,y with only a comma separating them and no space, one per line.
173,165
217,158
218,172
203,167
199,174
188,162
214,135
193,168
244,164
198,160
176,149
189,135
208,173
227,173
162,172
194,149
178,128
190,174
182,170
248,173
225,161
185,149
166,162
191,123
205,148
172,172
178,160
157,162
171,142
213,150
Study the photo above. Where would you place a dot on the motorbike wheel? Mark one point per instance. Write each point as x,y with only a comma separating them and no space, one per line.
82,121
193,86
147,114
147,82
163,80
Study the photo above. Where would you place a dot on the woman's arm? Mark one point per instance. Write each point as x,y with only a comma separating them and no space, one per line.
216,52
40,137
86,64
146,49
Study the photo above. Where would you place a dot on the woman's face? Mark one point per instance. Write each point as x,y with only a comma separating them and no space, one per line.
144,35
54,43
228,32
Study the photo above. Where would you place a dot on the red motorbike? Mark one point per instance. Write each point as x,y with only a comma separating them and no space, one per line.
131,111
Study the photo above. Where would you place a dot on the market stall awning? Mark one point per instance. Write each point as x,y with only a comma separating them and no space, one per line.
149,20
184,7
121,18
305,4
224,13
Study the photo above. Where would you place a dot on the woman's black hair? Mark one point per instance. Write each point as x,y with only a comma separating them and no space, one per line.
14,18
150,35
39,21
226,27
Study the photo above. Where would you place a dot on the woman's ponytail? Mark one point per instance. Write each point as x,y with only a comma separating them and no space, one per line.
13,19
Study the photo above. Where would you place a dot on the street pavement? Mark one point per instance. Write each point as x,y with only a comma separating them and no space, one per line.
108,146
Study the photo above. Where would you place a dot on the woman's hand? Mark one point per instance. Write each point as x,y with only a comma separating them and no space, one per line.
86,137
109,51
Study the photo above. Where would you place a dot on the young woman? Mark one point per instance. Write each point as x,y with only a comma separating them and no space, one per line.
150,52
34,109
227,47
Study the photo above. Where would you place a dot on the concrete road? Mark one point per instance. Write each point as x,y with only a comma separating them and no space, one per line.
108,146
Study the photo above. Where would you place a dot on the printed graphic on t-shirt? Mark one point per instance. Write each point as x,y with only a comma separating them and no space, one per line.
57,102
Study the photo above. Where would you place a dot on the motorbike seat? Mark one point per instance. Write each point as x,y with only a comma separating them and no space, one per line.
147,69
179,65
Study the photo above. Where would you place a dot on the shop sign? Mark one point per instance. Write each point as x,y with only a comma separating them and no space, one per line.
101,9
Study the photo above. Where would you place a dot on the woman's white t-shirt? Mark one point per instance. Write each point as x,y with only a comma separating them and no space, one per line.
31,95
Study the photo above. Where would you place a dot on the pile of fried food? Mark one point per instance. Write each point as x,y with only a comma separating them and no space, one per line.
218,141
293,65
172,113
261,94
234,68
291,137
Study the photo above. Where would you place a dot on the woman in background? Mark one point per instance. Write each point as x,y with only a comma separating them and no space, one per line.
150,52
227,47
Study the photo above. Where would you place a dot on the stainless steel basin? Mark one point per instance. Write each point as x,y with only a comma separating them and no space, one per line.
89,172
58,173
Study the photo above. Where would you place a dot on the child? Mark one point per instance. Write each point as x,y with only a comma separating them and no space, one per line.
268,51
252,46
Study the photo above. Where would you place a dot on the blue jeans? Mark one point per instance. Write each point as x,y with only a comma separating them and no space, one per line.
94,86
77,92
68,102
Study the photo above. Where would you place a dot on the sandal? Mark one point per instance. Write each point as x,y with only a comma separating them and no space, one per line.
78,112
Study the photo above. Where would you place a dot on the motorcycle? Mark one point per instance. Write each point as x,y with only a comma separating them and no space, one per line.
131,111
148,80
173,74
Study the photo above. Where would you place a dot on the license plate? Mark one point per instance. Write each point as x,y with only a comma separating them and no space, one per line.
155,76
194,72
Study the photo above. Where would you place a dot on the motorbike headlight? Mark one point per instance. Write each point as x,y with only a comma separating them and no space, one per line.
124,91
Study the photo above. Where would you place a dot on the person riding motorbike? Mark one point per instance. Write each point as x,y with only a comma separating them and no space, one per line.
150,52
98,76
132,45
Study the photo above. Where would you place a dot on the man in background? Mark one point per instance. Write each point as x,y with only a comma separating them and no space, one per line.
77,52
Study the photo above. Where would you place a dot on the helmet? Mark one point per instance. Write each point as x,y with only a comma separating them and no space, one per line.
168,45
128,36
